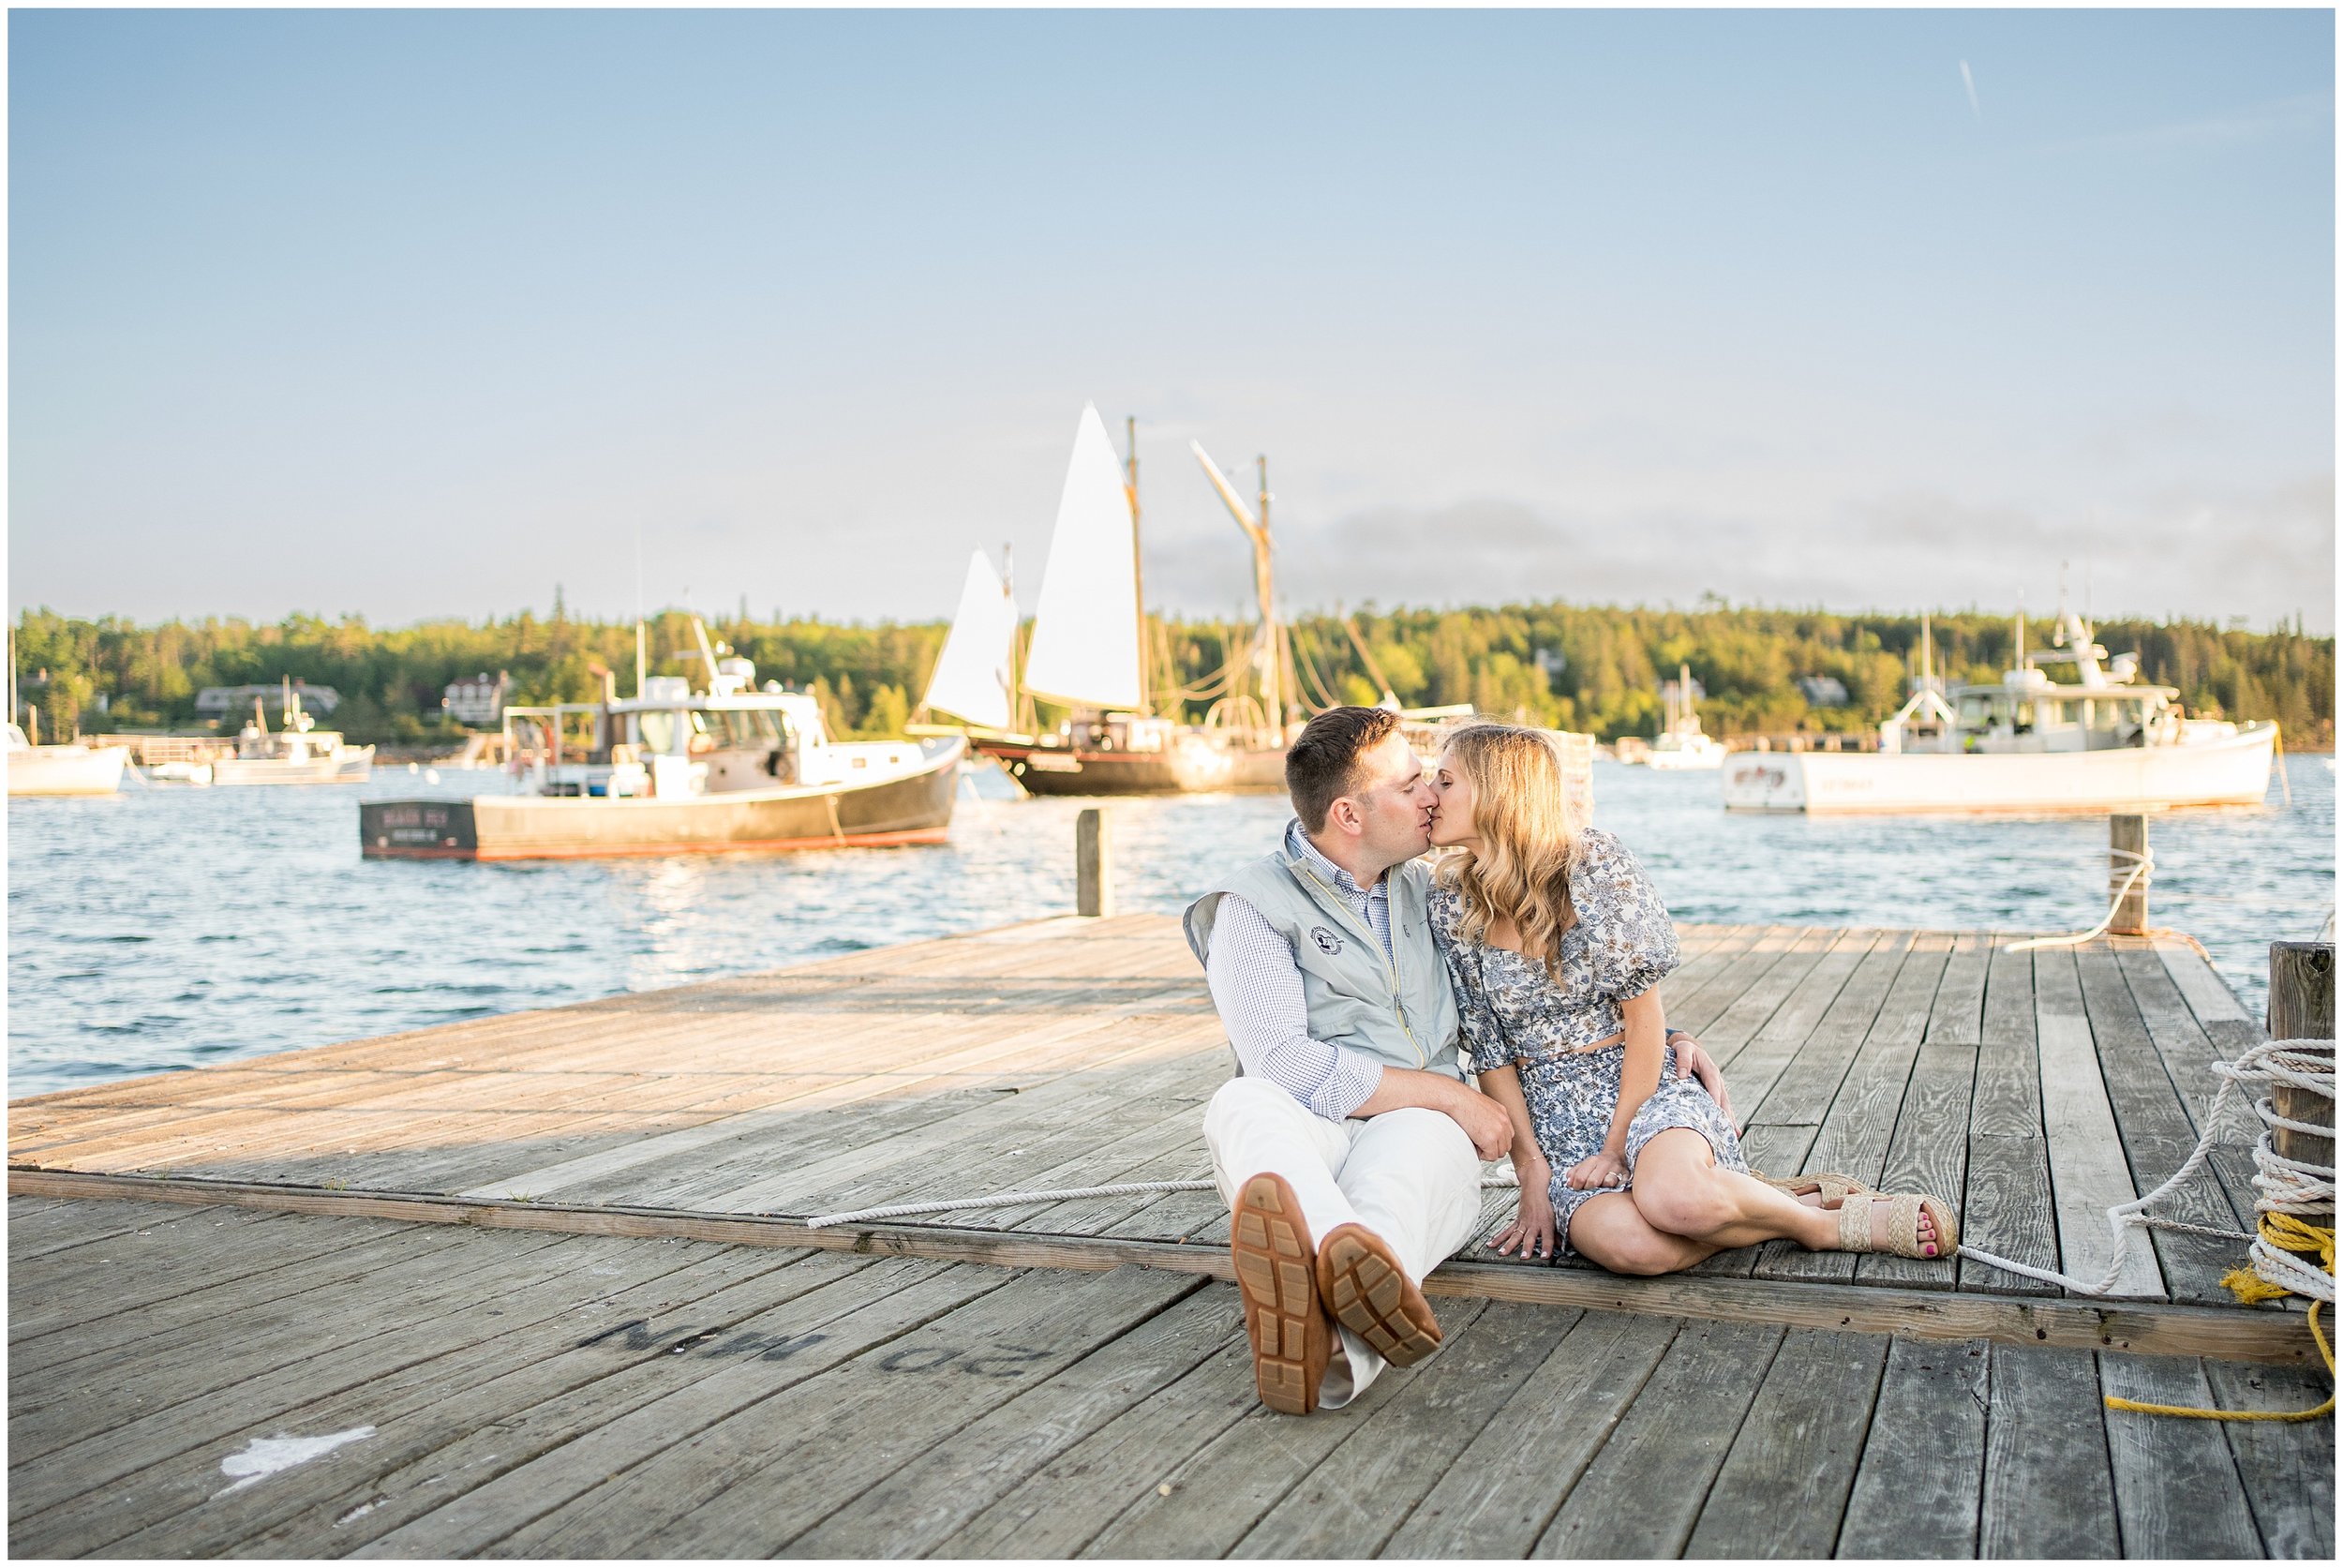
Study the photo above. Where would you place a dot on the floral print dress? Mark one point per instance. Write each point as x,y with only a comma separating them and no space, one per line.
1619,945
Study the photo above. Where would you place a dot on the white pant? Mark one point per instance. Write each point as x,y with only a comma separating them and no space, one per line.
1412,1177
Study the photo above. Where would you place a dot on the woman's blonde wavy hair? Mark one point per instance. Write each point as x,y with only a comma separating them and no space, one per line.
1523,814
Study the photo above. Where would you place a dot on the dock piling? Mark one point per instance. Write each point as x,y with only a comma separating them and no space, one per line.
2126,838
2301,1007
1094,862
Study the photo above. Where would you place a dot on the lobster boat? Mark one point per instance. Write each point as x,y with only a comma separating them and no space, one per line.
2104,741
675,771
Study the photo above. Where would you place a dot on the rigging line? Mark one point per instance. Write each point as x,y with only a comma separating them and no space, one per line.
1306,661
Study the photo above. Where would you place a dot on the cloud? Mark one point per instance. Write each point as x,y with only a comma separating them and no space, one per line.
2186,549
2306,113
1969,83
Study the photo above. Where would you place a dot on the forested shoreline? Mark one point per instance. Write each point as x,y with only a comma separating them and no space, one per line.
1592,668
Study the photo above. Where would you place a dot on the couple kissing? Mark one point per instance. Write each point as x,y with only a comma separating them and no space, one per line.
1364,993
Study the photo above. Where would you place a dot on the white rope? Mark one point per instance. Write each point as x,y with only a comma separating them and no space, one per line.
2143,871
1060,1195
2282,1185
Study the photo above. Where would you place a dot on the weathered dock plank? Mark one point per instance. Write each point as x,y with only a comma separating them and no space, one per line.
1642,1495
1208,1504
1783,1489
2050,1489
2089,1174
1921,1480
1503,1489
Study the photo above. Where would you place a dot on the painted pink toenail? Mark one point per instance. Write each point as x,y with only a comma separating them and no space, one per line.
1932,1251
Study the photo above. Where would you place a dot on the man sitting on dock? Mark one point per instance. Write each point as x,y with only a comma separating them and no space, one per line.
1349,1146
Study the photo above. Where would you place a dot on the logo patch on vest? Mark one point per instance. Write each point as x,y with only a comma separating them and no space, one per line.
1328,943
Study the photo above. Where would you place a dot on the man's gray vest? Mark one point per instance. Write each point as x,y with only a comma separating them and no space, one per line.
1397,1009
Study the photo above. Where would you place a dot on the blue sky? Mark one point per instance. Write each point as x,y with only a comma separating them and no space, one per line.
417,313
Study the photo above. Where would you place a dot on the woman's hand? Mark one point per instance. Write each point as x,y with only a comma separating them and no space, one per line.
1599,1169
1532,1230
1692,1062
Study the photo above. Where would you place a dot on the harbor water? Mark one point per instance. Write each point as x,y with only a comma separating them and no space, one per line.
169,927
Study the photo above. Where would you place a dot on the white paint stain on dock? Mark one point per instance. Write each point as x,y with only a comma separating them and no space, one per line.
264,1457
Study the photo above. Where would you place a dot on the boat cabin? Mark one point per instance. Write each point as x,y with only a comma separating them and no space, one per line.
670,742
2103,709
299,741
1089,730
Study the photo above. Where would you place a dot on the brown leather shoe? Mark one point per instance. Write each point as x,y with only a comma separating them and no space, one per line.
1371,1295
1277,1277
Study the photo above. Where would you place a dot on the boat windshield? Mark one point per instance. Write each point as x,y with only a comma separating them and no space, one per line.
741,728
657,727
726,728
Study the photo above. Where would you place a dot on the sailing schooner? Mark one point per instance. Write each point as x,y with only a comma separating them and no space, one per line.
1088,653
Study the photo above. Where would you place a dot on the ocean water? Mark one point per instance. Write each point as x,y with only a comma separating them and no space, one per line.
166,927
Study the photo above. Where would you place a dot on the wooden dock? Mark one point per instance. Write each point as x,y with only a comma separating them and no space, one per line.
542,1285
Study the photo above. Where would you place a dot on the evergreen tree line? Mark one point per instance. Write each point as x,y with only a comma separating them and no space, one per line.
1590,668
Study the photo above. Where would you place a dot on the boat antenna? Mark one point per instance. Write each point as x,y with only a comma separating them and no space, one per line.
639,658
1139,579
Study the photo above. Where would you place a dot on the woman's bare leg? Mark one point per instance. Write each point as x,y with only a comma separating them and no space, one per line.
1609,1230
1679,1190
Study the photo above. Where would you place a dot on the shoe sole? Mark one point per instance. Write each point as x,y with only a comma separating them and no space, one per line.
1276,1274
1373,1299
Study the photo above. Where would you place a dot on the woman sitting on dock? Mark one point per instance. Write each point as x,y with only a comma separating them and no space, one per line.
1557,943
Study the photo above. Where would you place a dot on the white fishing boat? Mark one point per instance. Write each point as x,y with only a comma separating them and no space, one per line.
2102,741
672,770
1680,746
297,753
71,768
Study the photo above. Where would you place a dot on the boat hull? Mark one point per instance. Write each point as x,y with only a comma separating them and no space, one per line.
1182,770
2231,771
351,767
915,808
67,769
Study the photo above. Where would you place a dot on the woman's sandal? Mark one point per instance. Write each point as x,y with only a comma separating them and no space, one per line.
1904,1225
1834,1186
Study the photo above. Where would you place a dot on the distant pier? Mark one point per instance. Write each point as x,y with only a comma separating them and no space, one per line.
542,1285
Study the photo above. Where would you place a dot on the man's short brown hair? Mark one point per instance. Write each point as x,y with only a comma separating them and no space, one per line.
1324,764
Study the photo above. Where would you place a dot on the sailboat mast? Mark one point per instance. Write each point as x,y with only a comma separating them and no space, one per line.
1272,647
1139,577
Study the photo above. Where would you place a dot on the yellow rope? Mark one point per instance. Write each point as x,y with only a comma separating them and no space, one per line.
2283,1231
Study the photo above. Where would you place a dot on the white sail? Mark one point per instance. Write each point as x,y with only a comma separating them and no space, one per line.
971,676
1085,629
